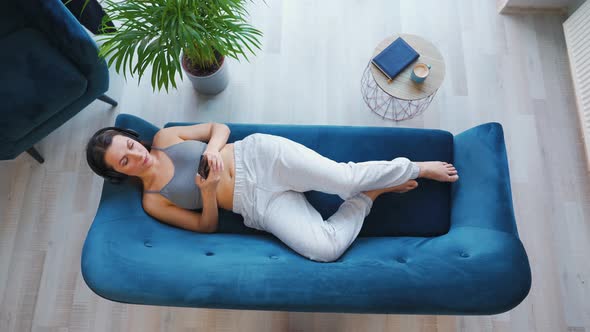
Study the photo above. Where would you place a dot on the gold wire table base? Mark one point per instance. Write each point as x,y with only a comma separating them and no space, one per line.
387,106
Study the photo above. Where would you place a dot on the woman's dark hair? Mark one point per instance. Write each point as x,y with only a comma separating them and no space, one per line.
97,147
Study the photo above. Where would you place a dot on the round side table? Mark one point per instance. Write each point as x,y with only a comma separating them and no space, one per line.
403,98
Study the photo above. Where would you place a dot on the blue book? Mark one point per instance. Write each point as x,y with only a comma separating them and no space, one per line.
394,58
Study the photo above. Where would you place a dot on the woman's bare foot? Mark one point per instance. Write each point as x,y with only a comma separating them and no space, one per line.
402,188
438,170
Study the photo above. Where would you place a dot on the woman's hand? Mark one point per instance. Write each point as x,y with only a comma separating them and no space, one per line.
209,185
214,159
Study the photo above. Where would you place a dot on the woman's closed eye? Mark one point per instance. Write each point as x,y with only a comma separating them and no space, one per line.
125,159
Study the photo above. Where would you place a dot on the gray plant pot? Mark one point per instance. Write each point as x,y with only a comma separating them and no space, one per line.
212,84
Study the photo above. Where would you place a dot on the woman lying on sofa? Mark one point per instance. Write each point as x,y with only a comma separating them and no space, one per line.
261,177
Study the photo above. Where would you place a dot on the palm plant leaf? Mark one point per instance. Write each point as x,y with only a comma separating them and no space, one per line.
156,32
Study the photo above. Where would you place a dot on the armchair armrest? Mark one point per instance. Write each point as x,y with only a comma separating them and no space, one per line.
65,32
482,197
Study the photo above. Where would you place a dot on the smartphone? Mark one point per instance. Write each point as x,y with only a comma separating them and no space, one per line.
203,167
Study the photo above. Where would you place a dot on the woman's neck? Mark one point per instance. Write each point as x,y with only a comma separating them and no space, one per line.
148,177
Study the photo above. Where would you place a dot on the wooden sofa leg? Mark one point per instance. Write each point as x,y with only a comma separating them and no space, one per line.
108,100
35,154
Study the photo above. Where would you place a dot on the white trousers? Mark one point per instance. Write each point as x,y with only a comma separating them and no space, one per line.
272,173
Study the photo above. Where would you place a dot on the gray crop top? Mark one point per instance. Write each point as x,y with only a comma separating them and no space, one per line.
182,190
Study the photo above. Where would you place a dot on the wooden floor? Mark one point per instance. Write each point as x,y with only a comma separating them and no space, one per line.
510,69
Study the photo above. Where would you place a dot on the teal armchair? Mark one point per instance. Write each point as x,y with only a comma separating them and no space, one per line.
49,71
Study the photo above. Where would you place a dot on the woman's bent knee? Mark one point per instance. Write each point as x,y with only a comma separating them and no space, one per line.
325,259
325,255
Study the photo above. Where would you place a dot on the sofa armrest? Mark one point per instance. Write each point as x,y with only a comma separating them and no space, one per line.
65,32
482,197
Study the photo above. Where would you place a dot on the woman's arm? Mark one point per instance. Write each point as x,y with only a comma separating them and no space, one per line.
208,188
179,217
210,213
218,137
215,134
206,221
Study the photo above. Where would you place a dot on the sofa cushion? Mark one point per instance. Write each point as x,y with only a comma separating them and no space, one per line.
29,69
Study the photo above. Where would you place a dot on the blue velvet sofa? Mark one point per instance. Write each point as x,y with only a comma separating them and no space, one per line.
49,71
440,249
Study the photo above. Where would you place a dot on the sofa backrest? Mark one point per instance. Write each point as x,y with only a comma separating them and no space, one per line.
424,211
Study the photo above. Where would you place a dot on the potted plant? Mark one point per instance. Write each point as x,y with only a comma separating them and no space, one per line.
167,34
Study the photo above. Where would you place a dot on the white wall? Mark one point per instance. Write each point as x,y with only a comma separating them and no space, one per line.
574,5
571,5
540,3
